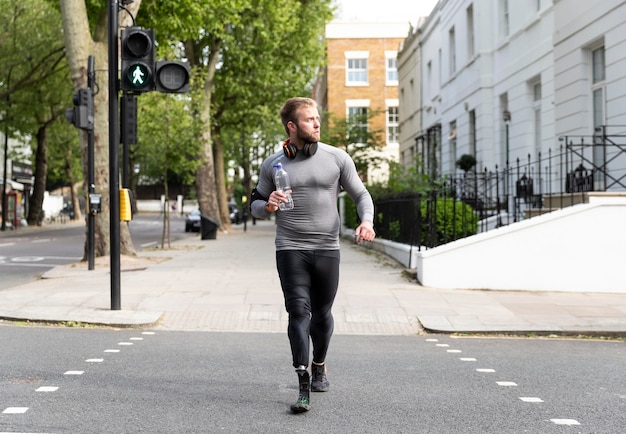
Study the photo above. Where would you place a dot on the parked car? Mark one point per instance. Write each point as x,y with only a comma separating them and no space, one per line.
234,213
192,221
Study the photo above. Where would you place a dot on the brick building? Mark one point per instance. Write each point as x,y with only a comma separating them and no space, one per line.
361,75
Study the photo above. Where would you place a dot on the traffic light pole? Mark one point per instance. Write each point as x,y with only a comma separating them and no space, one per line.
91,218
114,198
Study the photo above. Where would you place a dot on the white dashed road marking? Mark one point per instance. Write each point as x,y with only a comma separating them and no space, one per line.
15,410
529,399
47,389
22,410
565,421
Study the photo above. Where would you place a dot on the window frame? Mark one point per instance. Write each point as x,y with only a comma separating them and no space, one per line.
357,75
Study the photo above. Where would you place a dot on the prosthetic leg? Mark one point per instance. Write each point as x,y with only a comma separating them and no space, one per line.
304,381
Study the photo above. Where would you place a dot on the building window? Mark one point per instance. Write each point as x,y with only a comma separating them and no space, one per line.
356,68
597,88
598,92
470,32
392,125
472,133
452,49
537,112
452,145
506,25
391,66
439,68
357,124
506,120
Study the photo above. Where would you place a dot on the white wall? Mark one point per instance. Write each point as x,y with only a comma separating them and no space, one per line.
580,248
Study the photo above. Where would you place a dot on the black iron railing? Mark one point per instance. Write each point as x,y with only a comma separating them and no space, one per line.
478,201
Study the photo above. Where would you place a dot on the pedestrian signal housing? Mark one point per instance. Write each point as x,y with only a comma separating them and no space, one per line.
137,47
172,77
82,115
140,72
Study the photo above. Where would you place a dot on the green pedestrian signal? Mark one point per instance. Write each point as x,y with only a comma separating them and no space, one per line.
138,76
137,59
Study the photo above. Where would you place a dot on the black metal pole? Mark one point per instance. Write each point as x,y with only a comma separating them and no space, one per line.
114,199
6,152
91,217
4,179
125,106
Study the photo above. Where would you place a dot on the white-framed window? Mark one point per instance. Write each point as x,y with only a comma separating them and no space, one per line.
598,100
452,50
472,133
470,31
505,23
429,80
357,119
391,68
452,145
439,68
537,112
393,124
356,68
506,121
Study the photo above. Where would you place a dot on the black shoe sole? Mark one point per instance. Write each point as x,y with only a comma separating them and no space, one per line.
319,389
298,408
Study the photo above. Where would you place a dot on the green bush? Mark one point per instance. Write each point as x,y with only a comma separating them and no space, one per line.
446,220
351,216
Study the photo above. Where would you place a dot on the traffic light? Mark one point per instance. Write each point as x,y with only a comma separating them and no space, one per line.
81,116
137,59
172,77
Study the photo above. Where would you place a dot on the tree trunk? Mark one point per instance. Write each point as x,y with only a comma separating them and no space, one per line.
35,203
79,45
220,183
205,175
78,215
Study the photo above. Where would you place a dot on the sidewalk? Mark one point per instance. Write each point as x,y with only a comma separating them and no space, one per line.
231,284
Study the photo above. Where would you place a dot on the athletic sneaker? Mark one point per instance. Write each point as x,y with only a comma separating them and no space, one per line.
304,382
319,381
302,404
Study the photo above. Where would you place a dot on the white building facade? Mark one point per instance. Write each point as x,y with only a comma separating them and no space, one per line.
508,81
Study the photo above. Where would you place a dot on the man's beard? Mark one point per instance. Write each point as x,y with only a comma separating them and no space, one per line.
307,138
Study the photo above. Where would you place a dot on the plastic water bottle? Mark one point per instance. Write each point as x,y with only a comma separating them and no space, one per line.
281,179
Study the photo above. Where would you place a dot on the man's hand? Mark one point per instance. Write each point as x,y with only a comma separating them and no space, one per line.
365,231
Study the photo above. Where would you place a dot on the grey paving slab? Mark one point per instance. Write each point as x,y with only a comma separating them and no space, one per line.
231,284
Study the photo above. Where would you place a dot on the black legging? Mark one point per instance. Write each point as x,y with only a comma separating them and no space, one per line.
309,280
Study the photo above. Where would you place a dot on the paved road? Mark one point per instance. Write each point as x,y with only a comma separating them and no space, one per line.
60,380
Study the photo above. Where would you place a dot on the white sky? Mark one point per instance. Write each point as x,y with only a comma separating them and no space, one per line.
383,10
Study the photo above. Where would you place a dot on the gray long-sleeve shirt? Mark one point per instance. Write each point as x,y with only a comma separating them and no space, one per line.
316,181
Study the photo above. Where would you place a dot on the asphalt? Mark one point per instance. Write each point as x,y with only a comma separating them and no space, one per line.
230,284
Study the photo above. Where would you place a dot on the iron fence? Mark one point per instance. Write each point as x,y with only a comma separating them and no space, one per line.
463,204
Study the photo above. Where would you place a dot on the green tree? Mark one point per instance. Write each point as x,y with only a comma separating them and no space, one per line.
248,57
36,84
354,135
168,144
